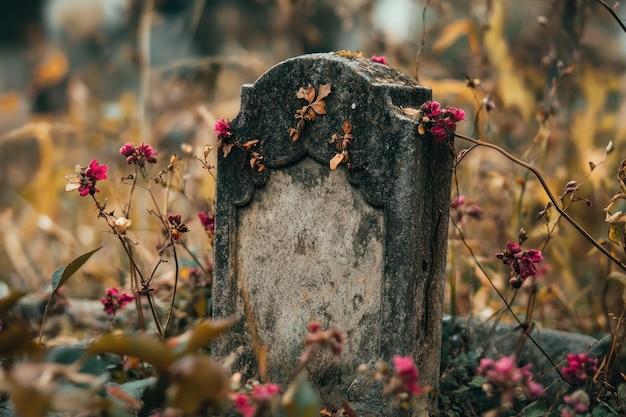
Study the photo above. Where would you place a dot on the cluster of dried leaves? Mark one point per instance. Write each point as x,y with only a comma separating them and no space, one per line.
342,142
309,112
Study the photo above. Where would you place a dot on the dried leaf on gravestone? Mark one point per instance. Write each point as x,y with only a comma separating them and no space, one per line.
410,111
310,114
249,144
306,93
323,92
226,148
337,159
294,134
319,107
346,127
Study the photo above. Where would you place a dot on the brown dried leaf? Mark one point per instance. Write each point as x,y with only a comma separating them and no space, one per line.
226,148
310,114
346,127
249,144
337,159
306,93
421,129
324,91
294,134
410,111
318,107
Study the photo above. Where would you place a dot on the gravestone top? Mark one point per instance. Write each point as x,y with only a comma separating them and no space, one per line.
360,247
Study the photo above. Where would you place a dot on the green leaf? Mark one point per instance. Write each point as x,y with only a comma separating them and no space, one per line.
478,381
300,400
63,273
535,409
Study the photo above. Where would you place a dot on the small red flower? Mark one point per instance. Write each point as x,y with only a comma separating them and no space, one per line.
580,367
380,59
113,301
84,179
439,122
138,155
523,263
207,219
265,392
408,374
222,127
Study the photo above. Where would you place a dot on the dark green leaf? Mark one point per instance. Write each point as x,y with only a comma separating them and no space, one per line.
535,409
63,273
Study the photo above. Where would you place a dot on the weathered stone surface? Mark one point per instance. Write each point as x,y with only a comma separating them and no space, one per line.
361,249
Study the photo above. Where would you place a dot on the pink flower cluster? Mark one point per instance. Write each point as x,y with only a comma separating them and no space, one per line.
262,395
407,374
138,155
523,263
114,301
207,219
504,375
87,178
439,122
577,403
580,367
222,127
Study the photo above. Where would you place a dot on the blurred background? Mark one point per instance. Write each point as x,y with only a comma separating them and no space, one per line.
543,79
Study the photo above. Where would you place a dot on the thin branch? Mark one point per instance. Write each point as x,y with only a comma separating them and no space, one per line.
612,12
523,326
551,196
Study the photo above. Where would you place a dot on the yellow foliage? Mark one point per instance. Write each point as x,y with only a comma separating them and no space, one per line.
453,32
512,89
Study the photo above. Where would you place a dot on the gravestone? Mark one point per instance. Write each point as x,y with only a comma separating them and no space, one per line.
361,247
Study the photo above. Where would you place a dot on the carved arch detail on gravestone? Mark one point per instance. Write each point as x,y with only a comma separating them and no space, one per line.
403,178
371,101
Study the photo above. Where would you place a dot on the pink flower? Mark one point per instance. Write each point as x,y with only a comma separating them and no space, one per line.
266,392
222,127
408,374
431,109
522,263
503,374
380,59
207,219
578,402
96,171
439,122
113,301
455,115
138,155
85,179
244,406
579,368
